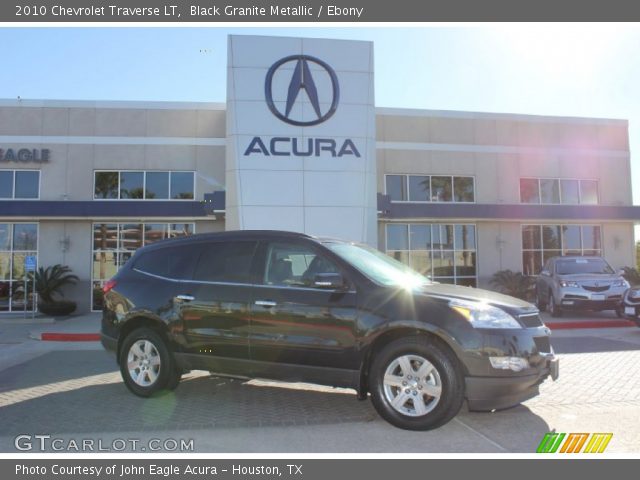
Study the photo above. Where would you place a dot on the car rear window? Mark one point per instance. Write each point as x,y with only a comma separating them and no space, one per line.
583,266
170,262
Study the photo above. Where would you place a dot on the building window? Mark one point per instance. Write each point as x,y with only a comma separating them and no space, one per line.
139,185
556,191
17,241
444,252
589,192
541,242
115,243
529,190
425,188
132,185
397,187
19,184
419,188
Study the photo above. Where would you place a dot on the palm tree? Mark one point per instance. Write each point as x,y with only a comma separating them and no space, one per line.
50,280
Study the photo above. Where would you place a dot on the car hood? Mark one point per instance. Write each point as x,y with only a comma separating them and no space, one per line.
477,295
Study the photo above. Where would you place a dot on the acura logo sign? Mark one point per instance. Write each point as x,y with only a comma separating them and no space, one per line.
302,79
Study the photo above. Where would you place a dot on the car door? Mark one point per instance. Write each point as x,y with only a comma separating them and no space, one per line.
215,306
300,331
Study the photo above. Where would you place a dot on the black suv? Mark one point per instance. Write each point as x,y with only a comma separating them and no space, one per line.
291,307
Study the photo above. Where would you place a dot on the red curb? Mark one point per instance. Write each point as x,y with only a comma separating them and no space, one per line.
595,324
70,337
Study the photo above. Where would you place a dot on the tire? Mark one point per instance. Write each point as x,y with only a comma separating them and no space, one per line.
554,309
541,304
404,357
146,364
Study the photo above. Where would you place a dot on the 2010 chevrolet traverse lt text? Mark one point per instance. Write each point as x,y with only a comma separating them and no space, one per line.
287,306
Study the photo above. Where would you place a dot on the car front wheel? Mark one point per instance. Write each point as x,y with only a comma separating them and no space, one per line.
146,365
554,309
416,384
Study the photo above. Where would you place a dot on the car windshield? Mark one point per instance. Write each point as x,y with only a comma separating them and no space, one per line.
377,266
583,265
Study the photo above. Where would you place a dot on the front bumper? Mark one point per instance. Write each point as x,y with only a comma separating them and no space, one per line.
110,344
496,393
579,298
631,307
582,304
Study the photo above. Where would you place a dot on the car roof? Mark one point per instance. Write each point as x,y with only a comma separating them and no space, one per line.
232,235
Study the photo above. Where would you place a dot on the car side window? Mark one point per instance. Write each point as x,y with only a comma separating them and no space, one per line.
226,262
295,265
174,262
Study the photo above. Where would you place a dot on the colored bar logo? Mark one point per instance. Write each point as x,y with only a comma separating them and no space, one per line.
553,442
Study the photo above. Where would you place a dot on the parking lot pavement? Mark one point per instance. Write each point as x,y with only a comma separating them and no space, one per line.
77,393
17,343
74,391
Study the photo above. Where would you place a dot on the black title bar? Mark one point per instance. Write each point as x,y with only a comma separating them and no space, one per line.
313,11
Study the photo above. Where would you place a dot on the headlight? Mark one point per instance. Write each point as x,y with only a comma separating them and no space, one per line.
568,283
482,315
620,283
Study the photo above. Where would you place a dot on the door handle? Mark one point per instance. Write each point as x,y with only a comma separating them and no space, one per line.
185,298
266,303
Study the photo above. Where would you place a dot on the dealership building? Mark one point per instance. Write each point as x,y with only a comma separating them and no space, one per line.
300,145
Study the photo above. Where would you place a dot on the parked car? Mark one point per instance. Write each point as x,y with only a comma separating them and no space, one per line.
631,304
579,283
291,307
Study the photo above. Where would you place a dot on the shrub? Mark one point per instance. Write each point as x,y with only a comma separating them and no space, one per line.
513,283
631,275
51,280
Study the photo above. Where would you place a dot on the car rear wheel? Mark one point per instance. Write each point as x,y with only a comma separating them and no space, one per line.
146,365
554,309
416,384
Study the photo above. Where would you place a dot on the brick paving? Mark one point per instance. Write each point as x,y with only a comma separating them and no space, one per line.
80,391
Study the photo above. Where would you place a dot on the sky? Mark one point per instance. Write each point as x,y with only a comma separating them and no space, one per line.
590,70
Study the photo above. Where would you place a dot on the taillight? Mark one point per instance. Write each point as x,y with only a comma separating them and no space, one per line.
108,285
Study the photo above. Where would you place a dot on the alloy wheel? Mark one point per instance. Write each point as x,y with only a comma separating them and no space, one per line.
412,385
143,363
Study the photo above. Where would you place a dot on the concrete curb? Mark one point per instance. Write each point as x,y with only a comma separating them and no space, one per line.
27,321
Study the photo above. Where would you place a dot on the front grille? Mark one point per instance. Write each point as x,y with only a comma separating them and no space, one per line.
542,344
600,288
530,320
575,297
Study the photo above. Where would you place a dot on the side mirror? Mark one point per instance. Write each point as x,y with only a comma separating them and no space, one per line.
620,272
329,281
